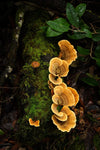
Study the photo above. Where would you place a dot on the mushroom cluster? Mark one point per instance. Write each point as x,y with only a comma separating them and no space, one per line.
63,95
64,119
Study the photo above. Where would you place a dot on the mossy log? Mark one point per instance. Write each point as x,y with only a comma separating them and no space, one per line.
35,94
35,80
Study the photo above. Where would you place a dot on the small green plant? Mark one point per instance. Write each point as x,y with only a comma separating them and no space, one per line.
73,27
74,23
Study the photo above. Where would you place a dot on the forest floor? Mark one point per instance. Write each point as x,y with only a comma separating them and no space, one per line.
87,131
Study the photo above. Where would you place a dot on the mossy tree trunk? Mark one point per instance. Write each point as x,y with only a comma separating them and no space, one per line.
35,94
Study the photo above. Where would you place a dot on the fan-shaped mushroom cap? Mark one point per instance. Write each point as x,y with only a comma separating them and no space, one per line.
54,66
63,118
68,52
69,112
69,123
63,96
58,67
56,99
64,69
63,85
75,93
60,115
55,110
58,90
34,123
54,79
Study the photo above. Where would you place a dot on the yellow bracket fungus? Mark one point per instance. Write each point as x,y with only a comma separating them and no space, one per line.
75,93
64,96
58,67
68,52
69,123
55,80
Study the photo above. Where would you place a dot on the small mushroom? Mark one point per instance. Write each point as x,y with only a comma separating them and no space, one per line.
68,52
34,123
35,64
75,93
58,67
69,123
63,96
54,79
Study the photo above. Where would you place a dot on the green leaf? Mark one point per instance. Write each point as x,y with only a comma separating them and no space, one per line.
52,33
1,132
83,25
90,81
88,33
97,51
83,51
77,35
72,15
96,37
97,60
59,25
80,9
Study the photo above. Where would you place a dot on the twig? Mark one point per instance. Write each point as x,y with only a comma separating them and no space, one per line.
7,100
77,30
93,28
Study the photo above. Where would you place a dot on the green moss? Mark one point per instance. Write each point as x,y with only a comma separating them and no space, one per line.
37,48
